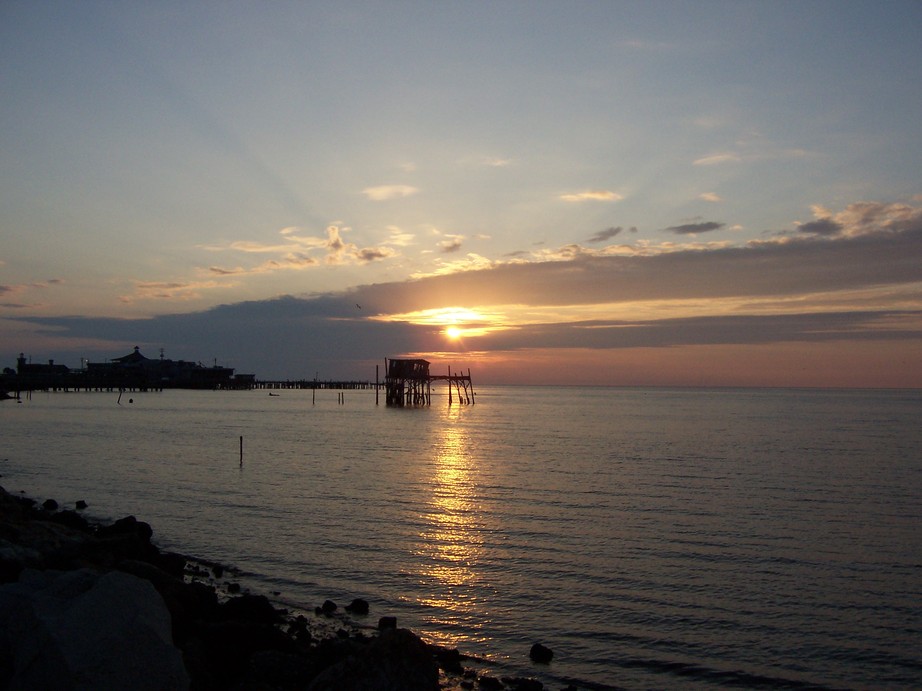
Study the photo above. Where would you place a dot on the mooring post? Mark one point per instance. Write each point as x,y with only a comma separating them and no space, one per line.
241,451
449,385
377,387
471,382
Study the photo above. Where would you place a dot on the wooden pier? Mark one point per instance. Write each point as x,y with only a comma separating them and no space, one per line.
409,383
338,385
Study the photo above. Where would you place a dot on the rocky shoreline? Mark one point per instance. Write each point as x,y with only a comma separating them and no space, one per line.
91,606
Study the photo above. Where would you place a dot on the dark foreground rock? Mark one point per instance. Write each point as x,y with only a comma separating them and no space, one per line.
85,606
100,630
540,653
397,659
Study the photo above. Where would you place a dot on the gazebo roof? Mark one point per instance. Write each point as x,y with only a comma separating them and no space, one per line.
131,357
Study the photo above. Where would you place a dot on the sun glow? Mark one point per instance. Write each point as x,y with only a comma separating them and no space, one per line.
456,322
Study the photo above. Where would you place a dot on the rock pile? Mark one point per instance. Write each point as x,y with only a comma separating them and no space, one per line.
86,606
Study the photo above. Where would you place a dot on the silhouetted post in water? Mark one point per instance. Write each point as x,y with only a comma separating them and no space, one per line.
449,385
241,451
471,384
377,387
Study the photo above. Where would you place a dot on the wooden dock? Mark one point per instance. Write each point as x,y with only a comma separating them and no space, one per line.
337,385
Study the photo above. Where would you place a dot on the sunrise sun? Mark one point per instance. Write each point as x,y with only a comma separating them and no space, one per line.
453,332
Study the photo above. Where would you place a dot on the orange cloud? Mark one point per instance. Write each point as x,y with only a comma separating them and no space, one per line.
386,192
294,253
179,291
592,195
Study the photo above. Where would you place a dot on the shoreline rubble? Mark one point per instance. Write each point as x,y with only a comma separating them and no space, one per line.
85,605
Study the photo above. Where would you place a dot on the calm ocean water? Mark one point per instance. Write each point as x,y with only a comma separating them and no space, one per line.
653,538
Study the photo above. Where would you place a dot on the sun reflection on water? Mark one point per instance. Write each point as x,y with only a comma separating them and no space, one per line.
451,543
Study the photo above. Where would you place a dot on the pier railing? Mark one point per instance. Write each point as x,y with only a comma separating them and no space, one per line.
314,384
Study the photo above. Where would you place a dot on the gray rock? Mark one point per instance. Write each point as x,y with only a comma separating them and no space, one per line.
396,661
81,630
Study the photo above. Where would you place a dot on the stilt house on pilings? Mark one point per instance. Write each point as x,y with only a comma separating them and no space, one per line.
409,383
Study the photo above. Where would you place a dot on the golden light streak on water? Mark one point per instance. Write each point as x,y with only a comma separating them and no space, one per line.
451,544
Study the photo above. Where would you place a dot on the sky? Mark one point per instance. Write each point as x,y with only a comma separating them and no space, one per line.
621,193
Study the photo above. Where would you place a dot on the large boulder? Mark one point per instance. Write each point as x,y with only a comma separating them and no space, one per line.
83,630
40,544
255,609
127,538
397,660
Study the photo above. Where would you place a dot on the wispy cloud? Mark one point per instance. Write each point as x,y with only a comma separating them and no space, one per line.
592,195
855,220
709,197
370,254
24,289
398,237
470,262
175,291
478,160
863,218
341,252
606,234
717,159
291,261
695,228
750,151
39,285
259,248
451,243
386,192
296,252
823,226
